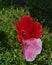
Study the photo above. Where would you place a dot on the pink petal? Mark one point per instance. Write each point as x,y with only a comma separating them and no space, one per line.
31,48
30,55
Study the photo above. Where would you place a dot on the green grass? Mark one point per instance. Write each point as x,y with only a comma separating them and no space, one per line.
10,49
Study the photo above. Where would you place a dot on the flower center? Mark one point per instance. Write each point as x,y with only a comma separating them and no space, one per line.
23,33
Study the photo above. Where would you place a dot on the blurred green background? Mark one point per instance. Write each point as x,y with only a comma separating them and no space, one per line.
10,48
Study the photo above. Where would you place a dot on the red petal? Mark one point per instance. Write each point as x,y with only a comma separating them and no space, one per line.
26,23
37,32
19,38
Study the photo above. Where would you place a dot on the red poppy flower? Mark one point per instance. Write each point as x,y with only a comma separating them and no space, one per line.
27,29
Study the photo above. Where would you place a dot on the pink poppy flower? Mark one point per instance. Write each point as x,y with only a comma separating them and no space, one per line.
31,48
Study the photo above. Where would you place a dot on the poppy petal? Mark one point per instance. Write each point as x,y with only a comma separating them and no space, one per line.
26,23
37,32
